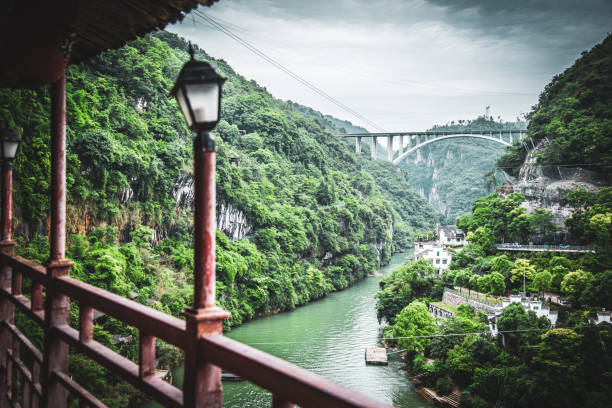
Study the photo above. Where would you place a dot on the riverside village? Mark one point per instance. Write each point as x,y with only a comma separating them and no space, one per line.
359,204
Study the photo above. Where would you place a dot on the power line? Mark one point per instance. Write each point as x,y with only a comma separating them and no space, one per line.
278,65
389,78
481,333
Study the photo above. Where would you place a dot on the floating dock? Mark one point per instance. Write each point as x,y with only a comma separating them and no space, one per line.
376,355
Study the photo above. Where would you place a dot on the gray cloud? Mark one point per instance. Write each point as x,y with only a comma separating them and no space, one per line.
407,64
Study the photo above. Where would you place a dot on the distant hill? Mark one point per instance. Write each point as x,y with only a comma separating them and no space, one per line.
572,122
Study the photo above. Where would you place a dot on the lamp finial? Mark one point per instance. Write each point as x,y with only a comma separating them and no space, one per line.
191,52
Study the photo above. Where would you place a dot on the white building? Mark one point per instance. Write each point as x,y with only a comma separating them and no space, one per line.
435,251
439,257
534,305
450,236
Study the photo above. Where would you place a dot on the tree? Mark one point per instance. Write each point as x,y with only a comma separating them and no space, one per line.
414,320
522,271
440,346
542,281
462,278
473,283
502,265
516,320
484,282
541,223
518,225
557,368
406,283
497,284
598,290
482,237
574,283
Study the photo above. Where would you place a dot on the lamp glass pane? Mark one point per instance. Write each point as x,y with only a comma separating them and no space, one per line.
9,148
204,99
180,97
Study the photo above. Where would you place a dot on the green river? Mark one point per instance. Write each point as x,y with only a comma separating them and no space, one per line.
328,337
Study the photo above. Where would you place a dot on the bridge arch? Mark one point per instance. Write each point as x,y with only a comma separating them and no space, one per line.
412,149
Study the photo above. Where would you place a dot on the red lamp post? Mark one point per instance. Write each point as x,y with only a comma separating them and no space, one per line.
198,92
9,142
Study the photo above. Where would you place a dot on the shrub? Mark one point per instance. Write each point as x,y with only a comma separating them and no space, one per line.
444,386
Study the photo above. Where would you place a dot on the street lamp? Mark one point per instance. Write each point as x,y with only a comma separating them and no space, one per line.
9,143
198,93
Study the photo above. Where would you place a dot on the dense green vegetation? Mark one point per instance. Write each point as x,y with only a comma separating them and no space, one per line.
453,173
321,221
573,118
539,365
531,364
564,366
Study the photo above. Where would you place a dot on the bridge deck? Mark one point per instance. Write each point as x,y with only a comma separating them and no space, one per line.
432,133
545,248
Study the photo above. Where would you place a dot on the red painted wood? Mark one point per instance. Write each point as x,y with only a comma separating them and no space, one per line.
286,381
85,323
281,403
7,201
57,234
163,326
16,283
86,398
31,270
23,304
6,307
202,386
6,316
146,354
18,368
157,389
37,297
57,308
204,223
24,341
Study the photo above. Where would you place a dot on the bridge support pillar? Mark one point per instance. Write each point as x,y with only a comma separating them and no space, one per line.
389,148
401,145
358,145
373,148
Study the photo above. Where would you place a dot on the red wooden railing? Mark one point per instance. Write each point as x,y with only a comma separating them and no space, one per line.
23,387
31,378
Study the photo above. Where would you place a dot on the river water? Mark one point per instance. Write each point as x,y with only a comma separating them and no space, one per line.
328,337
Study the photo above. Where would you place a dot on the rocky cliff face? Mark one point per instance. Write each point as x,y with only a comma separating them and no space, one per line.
230,219
548,186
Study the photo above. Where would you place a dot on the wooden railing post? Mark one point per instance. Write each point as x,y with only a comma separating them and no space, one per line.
57,305
202,386
278,402
7,246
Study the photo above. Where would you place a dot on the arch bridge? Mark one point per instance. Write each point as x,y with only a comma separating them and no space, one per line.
404,143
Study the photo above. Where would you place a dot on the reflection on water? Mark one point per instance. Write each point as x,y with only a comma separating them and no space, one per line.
328,337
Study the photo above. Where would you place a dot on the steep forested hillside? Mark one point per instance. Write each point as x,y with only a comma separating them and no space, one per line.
572,121
319,221
452,173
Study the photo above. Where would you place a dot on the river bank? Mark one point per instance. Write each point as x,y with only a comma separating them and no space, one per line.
328,337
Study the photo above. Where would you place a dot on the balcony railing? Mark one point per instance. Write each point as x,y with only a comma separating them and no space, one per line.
22,384
544,248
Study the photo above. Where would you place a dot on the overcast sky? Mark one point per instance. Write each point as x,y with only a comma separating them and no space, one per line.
405,65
